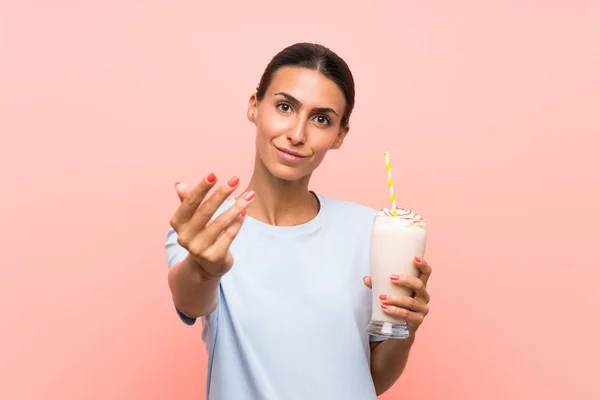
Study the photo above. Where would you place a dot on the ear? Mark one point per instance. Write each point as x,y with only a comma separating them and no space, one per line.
340,138
252,108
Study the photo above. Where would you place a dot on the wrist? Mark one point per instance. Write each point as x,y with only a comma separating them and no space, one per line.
199,272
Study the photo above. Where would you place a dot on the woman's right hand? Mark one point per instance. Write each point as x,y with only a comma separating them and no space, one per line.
207,240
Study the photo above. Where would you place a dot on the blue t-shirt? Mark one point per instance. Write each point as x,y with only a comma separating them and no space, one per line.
293,309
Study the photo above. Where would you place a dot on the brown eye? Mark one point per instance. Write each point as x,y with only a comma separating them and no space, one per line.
322,120
286,108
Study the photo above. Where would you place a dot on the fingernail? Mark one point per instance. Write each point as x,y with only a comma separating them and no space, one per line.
243,213
395,277
211,178
384,306
177,184
383,297
418,260
249,196
233,181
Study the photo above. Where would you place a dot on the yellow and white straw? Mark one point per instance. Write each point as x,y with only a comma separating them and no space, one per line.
388,168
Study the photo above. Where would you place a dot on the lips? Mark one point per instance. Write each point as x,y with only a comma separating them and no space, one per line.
291,152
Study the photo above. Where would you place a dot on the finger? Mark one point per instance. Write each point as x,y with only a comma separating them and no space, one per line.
192,199
403,313
182,190
411,282
205,236
220,224
424,269
205,212
424,297
368,282
222,244
410,303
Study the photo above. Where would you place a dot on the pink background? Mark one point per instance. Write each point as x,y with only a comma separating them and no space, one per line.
490,110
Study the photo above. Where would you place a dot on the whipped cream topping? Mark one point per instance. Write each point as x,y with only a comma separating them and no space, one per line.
409,216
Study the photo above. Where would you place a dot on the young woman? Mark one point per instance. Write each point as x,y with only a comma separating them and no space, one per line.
278,275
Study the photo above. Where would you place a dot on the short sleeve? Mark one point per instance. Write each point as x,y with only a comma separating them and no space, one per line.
175,254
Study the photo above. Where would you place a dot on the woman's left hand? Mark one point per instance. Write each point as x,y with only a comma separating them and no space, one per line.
412,309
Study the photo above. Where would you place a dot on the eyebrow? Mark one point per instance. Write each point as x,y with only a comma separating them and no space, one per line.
298,103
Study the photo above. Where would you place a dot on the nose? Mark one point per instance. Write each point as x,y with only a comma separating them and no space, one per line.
297,133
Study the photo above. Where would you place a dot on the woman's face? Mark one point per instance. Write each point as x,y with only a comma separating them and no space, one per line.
297,122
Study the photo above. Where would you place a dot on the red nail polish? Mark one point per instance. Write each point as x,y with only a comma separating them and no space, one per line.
383,297
394,277
243,213
249,196
418,260
384,306
211,178
233,181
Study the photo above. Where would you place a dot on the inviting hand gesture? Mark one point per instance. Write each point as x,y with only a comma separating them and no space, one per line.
207,240
412,309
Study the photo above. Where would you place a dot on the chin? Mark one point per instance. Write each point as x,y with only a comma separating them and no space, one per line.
286,172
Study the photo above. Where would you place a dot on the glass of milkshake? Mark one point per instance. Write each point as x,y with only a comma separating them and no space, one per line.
395,242
397,237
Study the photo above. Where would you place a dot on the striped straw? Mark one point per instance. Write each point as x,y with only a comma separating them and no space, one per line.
388,168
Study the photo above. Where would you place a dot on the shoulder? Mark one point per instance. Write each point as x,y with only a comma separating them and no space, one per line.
347,212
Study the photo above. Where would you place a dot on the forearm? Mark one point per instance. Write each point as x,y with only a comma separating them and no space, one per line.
388,361
194,294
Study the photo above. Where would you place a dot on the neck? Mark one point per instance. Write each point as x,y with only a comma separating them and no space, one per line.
281,202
